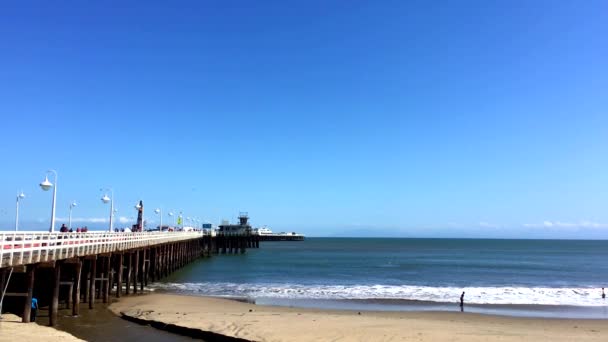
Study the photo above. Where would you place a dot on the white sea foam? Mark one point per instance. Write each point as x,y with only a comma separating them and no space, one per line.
474,295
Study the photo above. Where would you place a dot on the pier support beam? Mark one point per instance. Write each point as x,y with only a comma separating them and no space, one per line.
87,275
76,291
106,283
27,306
119,272
129,271
55,295
92,282
144,268
136,271
68,299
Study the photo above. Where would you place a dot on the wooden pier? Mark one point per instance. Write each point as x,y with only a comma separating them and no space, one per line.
88,268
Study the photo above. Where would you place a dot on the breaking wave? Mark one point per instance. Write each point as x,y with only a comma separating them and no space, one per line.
474,295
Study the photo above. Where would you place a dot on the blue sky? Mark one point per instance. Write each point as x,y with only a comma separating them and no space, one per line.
398,118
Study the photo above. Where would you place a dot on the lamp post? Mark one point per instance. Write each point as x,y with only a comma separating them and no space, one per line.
72,205
106,199
171,214
19,197
46,186
160,211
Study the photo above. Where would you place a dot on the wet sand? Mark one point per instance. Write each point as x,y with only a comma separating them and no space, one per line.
97,325
268,323
100,324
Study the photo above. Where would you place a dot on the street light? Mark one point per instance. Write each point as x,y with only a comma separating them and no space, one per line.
171,214
46,186
72,205
106,199
19,197
160,211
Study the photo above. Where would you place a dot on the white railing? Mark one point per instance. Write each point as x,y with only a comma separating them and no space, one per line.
20,248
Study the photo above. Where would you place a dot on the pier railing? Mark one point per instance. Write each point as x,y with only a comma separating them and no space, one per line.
20,248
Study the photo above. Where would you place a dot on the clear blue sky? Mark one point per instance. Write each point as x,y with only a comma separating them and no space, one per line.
401,118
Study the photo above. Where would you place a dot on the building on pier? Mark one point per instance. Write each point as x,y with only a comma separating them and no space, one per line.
242,228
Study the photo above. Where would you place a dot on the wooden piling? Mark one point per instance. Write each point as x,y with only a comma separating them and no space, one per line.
165,260
55,295
76,292
145,265
136,271
119,272
129,265
171,260
68,299
112,261
152,265
87,276
92,282
27,306
101,278
106,284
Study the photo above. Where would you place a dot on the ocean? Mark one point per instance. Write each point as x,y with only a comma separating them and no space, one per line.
544,278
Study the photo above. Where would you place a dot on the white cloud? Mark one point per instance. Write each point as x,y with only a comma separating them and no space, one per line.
488,225
84,219
123,219
560,224
120,219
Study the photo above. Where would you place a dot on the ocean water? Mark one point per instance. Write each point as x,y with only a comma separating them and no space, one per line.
551,278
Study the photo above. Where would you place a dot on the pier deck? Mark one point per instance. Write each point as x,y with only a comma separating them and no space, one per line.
21,248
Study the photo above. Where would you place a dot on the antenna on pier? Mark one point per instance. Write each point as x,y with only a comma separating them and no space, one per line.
140,216
243,218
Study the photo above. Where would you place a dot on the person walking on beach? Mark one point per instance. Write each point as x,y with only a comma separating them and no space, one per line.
34,310
462,301
603,294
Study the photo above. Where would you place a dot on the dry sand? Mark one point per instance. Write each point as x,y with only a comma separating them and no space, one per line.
11,329
267,323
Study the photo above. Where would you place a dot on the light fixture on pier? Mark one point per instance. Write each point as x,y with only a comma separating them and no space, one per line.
160,211
105,199
72,205
46,186
19,198
171,215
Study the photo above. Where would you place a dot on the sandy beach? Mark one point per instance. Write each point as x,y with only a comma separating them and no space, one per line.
11,329
267,323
